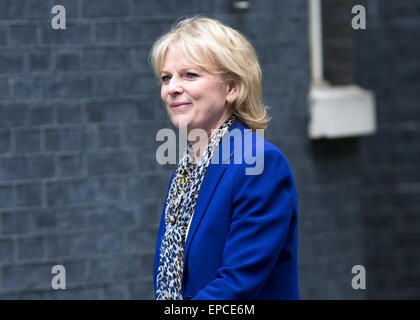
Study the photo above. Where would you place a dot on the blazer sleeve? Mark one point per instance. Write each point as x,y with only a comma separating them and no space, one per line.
263,208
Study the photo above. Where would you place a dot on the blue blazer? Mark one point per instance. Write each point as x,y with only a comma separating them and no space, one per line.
242,240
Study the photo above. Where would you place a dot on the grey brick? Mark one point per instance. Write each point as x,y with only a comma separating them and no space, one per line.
290,9
135,110
141,59
143,31
100,269
164,7
14,116
77,138
68,87
35,275
138,84
140,238
282,54
140,135
147,160
77,294
40,115
26,168
107,59
110,111
4,89
27,88
109,190
254,27
157,187
6,197
5,143
6,250
29,195
107,86
116,292
32,295
44,221
72,245
30,248
28,141
73,34
3,36
70,193
16,222
11,61
71,166
112,242
217,6
150,213
23,34
84,244
109,137
160,111
117,268
141,290
76,271
111,217
69,114
106,32
12,277
24,9
70,220
296,79
67,61
109,163
106,8
143,110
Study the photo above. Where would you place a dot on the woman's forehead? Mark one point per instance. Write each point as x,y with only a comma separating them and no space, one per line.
176,57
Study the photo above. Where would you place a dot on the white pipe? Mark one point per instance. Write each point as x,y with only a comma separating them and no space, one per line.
315,29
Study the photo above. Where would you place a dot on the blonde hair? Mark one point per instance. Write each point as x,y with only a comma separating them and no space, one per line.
220,49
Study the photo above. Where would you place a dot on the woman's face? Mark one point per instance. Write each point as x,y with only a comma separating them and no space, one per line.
193,97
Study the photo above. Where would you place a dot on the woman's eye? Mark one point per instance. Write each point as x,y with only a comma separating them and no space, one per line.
165,78
191,75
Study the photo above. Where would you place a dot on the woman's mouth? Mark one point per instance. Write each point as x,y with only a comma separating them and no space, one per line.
179,105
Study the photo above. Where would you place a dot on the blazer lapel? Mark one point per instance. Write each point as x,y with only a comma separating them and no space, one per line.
213,175
211,180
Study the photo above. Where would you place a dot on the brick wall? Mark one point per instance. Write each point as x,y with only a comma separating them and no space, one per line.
387,62
79,184
384,58
79,111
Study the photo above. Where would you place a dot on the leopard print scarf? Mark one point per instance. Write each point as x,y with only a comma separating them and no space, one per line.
180,207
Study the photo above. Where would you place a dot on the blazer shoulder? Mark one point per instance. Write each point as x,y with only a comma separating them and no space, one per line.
261,154
253,142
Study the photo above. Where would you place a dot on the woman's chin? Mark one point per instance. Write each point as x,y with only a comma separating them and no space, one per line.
181,122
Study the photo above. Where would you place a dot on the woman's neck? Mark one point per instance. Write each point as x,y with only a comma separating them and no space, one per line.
200,146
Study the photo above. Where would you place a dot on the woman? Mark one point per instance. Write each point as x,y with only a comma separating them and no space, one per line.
224,233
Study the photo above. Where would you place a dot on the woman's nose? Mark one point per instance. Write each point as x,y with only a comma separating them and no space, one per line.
175,86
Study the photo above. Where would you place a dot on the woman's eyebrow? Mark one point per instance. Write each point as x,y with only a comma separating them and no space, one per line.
183,69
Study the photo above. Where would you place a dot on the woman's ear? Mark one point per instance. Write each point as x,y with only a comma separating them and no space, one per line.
231,92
